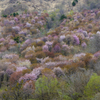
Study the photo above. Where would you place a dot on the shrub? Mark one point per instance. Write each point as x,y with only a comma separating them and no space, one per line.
40,54
76,40
4,16
58,72
45,48
37,25
30,54
46,88
26,71
33,60
89,26
81,64
77,83
69,39
29,88
28,25
44,39
3,66
73,68
57,31
15,14
33,31
16,39
40,43
47,72
62,37
65,50
34,43
9,71
95,28
12,42
87,59
24,63
84,45
57,48
14,77
34,65
26,77
54,43
38,48
73,3
97,54
92,87
18,69
50,54
14,93
63,17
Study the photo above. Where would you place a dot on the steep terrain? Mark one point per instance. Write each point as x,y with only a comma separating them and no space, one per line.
50,55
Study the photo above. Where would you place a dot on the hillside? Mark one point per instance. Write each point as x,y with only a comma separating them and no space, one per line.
50,53
10,6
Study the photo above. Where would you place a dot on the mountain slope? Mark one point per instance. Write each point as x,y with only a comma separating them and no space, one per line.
10,6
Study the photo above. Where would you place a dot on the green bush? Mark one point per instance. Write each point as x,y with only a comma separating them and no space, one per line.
63,17
14,14
4,16
45,89
73,3
17,13
16,39
50,89
92,87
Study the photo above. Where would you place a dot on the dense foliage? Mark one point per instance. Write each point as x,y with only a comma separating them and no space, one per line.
50,56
